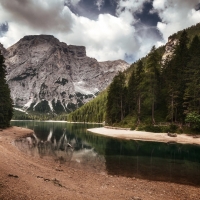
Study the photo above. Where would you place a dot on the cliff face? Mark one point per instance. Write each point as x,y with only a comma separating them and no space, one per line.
44,71
169,50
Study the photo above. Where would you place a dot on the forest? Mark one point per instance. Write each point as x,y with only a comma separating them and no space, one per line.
152,92
6,107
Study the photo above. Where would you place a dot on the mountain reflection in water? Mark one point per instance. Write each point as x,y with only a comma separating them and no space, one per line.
71,144
63,146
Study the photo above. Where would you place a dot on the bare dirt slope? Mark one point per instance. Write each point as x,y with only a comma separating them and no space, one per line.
26,177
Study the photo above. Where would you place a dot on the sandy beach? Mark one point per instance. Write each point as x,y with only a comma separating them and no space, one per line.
25,177
145,136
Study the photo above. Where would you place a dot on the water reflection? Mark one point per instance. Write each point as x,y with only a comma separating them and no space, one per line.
49,147
150,160
71,144
62,144
154,161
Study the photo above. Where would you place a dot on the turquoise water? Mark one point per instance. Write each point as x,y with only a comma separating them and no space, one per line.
71,144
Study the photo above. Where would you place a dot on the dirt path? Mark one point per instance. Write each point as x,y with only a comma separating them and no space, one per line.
145,136
24,177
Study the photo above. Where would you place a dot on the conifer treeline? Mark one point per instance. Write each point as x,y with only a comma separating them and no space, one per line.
169,92
6,109
152,91
93,111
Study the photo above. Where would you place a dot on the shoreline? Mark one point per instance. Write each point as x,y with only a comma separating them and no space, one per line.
145,136
24,176
16,120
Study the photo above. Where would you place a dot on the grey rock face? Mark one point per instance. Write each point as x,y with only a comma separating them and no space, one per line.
43,70
169,50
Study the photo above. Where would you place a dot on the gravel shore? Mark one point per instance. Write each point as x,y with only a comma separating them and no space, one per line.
25,177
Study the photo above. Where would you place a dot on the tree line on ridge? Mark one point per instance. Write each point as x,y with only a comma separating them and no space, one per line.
160,92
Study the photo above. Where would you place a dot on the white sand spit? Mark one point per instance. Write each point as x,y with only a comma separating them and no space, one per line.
145,136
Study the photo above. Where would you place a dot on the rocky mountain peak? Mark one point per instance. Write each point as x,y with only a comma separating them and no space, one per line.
44,71
40,37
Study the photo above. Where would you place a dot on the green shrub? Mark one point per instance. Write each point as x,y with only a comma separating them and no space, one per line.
194,120
133,127
154,129
173,128
166,129
179,130
125,122
141,127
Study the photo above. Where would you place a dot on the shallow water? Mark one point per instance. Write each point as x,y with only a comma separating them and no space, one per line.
71,144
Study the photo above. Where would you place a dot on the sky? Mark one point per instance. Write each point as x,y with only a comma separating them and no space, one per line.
109,29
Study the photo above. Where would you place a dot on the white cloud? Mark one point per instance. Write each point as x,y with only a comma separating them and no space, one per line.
73,2
175,15
99,4
107,38
159,4
133,5
127,9
26,17
37,14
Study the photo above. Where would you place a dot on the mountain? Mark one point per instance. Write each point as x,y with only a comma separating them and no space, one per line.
45,74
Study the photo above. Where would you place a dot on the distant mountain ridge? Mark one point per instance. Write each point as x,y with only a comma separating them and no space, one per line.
46,75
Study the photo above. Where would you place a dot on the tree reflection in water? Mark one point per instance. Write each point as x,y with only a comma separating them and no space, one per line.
153,161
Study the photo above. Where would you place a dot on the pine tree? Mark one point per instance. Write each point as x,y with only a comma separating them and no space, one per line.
6,110
152,80
175,73
181,60
192,91
170,78
115,107
139,80
132,92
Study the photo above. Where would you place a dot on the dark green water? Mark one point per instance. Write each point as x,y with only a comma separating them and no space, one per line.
71,144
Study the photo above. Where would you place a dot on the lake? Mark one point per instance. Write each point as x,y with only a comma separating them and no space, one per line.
70,144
